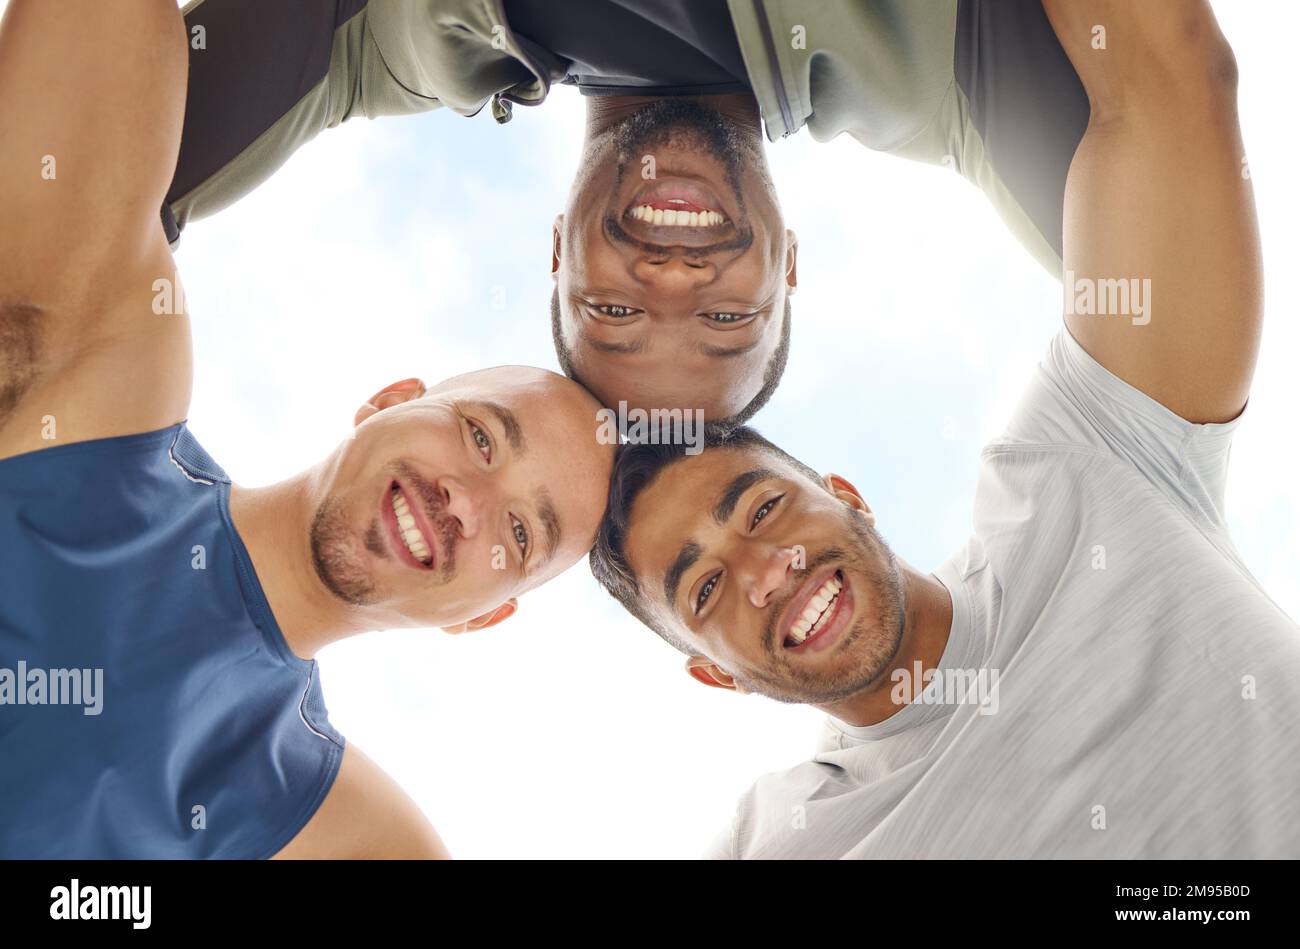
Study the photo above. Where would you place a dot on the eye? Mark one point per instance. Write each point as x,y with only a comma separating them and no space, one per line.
705,592
765,510
727,319
481,440
521,534
614,310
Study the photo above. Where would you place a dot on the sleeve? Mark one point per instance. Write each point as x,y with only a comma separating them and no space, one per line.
1076,402
980,86
1011,118
1025,112
723,844
265,79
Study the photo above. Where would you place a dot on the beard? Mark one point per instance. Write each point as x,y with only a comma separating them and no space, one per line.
685,125
689,126
868,648
341,566
333,553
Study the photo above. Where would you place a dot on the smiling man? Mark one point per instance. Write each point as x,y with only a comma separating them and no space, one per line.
682,280
1095,673
128,551
672,261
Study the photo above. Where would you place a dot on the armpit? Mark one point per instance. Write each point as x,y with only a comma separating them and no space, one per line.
21,334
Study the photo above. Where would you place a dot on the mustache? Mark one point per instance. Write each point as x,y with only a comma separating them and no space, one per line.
435,508
828,556
685,124
680,122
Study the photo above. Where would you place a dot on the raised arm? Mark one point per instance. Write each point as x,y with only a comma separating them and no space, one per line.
91,102
1159,210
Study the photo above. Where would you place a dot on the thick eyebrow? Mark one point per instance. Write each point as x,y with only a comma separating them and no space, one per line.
739,485
550,524
509,422
603,347
690,553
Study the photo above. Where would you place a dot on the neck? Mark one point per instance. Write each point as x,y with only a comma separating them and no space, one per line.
741,108
275,525
927,622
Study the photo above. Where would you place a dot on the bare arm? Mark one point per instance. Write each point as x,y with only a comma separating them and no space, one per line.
365,816
91,103
1157,206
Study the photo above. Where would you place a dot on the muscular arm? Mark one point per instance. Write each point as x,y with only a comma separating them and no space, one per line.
91,101
1156,193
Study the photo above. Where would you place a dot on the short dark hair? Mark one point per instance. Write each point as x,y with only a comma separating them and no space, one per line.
771,375
636,466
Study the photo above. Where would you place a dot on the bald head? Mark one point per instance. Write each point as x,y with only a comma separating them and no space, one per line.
452,500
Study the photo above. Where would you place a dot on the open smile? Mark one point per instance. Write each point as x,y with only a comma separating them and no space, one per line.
822,609
677,211
408,529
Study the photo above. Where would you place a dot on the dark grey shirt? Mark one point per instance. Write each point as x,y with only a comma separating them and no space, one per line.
644,47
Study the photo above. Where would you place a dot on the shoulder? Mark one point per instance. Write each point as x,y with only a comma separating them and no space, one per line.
365,816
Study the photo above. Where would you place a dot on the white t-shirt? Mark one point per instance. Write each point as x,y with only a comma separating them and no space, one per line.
1142,692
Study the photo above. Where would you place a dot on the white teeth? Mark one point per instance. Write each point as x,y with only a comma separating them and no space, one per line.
410,533
672,217
816,612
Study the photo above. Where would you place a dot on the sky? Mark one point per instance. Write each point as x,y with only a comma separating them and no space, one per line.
420,246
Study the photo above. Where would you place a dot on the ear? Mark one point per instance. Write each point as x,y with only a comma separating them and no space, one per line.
706,671
490,618
387,397
791,261
843,489
557,244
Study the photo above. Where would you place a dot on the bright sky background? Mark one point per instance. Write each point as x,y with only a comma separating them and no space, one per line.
421,246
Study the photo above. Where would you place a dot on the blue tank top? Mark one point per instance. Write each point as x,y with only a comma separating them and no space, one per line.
149,704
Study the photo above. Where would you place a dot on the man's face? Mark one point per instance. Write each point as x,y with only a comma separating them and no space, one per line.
673,315
445,505
783,584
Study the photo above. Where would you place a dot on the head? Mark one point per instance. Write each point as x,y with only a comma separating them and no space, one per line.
692,314
768,576
448,503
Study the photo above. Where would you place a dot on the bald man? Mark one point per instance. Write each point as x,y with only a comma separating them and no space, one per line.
159,694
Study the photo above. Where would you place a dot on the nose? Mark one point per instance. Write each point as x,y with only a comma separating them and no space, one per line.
670,271
768,574
463,504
